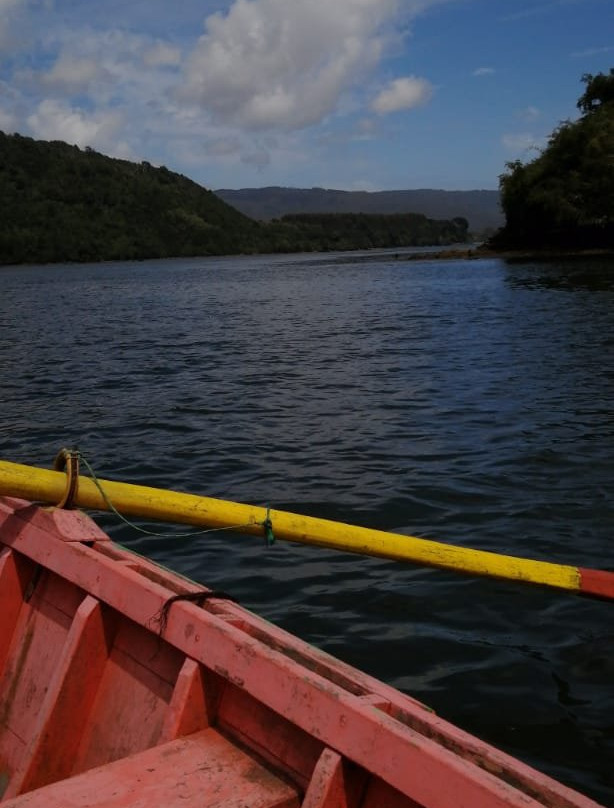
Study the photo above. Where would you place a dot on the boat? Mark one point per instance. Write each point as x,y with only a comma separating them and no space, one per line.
123,683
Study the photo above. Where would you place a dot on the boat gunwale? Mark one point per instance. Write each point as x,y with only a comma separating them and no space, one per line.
346,722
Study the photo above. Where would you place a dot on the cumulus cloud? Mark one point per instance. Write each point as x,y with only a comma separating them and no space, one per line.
402,93
55,120
223,146
484,71
286,63
161,54
110,64
260,66
103,89
8,121
72,73
8,13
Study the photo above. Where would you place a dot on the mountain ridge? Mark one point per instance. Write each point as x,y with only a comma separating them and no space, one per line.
480,207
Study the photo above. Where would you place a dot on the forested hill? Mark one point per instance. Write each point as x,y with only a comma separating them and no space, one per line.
480,208
564,198
362,231
59,203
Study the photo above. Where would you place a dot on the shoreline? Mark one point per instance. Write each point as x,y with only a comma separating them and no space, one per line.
476,253
443,254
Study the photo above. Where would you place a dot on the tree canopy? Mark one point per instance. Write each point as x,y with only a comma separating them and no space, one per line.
61,203
599,90
564,198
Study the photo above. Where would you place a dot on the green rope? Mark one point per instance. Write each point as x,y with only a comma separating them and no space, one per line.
268,528
266,524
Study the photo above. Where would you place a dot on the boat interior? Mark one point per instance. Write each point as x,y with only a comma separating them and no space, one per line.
125,684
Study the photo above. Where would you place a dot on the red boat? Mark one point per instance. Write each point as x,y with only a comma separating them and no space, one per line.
124,684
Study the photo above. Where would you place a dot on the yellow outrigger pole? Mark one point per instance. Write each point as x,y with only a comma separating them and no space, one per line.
44,485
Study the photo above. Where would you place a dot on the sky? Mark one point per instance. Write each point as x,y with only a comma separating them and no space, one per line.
350,94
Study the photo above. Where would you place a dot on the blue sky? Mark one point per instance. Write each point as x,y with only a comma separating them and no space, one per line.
352,94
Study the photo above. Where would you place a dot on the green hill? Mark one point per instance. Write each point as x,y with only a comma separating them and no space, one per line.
351,231
565,197
59,203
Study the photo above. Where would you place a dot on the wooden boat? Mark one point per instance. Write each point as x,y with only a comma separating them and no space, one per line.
124,684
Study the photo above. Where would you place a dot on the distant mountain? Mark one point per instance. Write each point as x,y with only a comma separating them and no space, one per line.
480,208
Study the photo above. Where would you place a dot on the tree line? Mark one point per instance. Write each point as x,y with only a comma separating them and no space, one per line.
61,203
564,198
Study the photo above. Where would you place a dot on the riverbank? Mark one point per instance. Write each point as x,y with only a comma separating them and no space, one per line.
474,253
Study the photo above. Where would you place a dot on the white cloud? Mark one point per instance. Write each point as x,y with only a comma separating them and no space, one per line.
106,89
72,74
110,65
286,64
8,14
261,66
521,142
592,52
8,121
223,146
484,71
403,93
55,120
162,54
7,7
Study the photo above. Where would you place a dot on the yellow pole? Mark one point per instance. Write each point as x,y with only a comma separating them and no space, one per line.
43,485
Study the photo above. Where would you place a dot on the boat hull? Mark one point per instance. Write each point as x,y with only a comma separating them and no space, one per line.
118,688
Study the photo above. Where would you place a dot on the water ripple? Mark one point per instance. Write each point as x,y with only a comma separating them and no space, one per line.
466,401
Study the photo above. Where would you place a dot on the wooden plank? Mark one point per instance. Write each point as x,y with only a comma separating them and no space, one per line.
202,771
194,702
65,708
335,784
34,655
15,572
407,759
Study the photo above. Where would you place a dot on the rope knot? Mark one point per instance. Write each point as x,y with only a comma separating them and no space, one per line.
68,460
268,528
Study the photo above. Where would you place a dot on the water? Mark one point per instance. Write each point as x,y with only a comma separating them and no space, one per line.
467,401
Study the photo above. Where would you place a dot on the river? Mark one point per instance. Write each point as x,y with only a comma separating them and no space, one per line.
466,401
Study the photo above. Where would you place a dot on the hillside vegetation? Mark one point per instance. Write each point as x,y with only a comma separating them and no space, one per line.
59,203
351,231
480,208
564,198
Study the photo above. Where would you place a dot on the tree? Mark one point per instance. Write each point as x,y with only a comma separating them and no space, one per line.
58,203
565,196
599,90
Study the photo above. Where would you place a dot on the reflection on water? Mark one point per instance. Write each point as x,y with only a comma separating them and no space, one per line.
594,274
465,401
